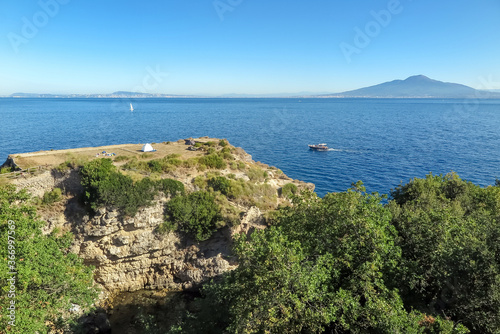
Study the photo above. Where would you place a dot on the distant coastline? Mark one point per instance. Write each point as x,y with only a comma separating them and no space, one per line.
492,96
414,87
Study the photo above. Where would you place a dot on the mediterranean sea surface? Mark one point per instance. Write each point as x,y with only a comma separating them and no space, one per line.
379,141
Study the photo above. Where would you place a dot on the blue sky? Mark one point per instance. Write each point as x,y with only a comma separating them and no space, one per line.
244,46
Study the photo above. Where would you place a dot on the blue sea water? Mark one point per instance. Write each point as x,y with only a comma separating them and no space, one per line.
379,141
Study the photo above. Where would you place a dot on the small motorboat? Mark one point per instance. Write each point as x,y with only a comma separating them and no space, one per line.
318,147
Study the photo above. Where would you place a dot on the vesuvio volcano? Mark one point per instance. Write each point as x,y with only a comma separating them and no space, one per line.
418,86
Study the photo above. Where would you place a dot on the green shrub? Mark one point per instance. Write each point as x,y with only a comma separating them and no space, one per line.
223,143
63,166
241,165
105,186
171,187
200,182
196,214
288,190
51,197
220,183
190,163
166,227
233,165
155,166
92,175
213,161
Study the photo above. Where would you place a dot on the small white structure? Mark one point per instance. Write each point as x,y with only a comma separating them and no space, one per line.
147,148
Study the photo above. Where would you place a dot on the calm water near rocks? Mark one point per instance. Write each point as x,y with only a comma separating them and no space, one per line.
378,141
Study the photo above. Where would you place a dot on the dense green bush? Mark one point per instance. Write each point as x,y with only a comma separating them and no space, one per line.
288,190
155,166
196,214
105,186
220,183
171,187
449,233
92,175
48,277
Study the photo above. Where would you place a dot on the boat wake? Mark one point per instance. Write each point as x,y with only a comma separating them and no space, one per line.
341,150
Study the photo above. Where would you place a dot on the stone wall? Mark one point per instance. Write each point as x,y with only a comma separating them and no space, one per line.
68,181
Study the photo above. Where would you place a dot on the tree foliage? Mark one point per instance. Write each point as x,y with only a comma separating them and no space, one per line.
325,267
196,214
449,233
48,278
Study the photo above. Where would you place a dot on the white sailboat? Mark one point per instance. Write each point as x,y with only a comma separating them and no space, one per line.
131,108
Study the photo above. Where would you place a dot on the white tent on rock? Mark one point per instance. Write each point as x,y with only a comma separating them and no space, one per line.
148,148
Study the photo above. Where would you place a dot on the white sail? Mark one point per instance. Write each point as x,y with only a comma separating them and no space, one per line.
131,108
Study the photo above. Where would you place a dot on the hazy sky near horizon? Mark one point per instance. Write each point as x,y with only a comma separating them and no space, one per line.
244,46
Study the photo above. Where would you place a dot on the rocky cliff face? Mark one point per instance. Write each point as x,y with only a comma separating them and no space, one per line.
130,255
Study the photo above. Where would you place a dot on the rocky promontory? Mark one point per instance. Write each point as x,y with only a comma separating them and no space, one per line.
128,252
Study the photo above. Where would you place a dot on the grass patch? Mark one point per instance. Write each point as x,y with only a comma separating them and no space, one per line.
121,158
72,161
6,170
167,164
257,175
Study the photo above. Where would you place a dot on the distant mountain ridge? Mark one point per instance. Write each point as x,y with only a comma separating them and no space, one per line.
417,86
